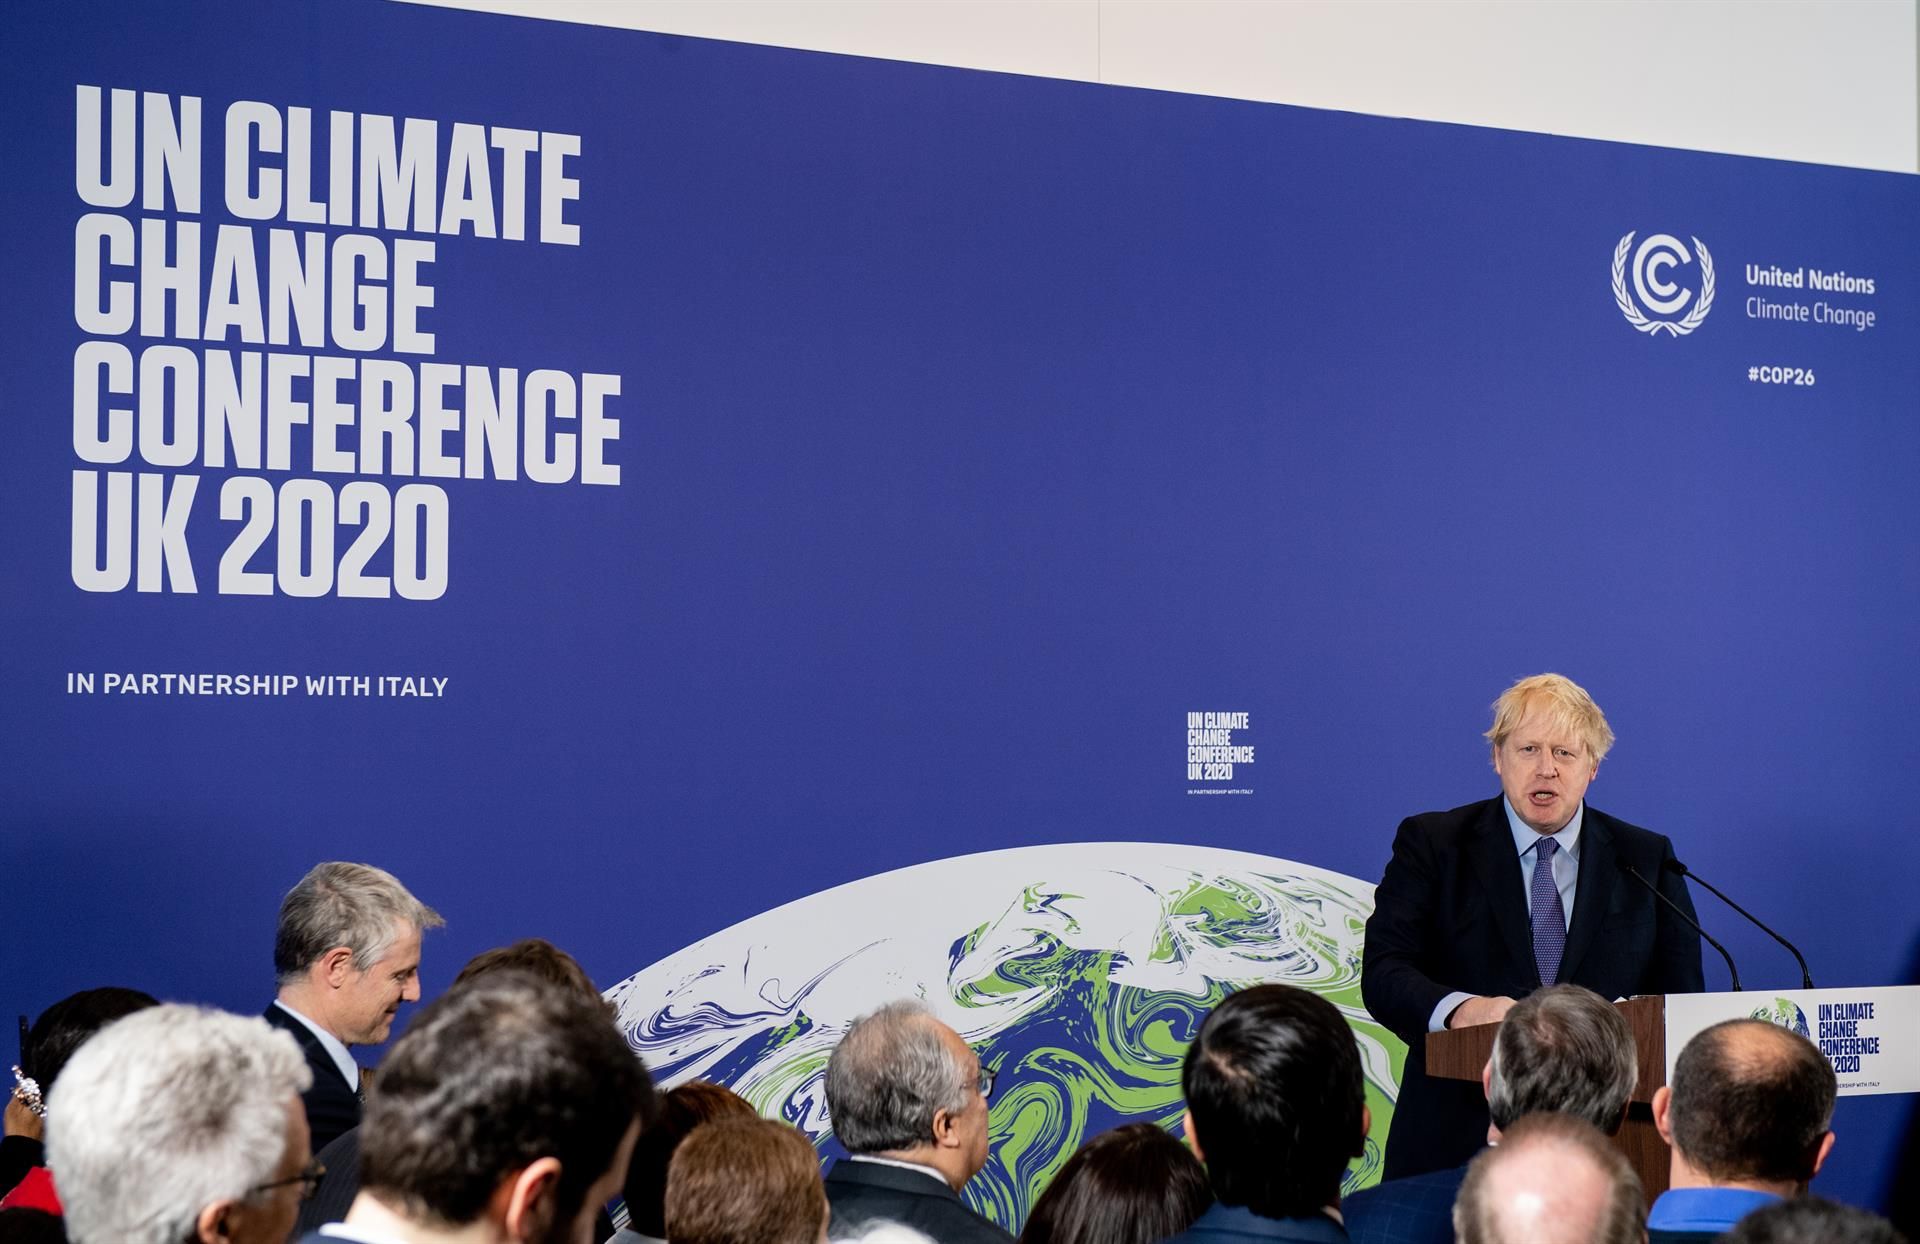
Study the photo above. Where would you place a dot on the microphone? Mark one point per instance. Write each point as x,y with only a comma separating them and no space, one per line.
1693,924
1675,866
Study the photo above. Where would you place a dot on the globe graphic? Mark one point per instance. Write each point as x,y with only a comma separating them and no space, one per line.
1080,971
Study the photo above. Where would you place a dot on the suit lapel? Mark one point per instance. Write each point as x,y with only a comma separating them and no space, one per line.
1497,867
1591,891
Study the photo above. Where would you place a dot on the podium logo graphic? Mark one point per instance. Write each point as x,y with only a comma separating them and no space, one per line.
1787,1014
1656,298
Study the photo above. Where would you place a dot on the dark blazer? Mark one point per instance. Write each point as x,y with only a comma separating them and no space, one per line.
333,1105
1657,1236
1236,1224
334,1196
860,1192
1414,1210
1451,914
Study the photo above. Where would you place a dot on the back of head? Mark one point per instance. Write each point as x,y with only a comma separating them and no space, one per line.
62,1028
1813,1220
339,904
492,1076
1751,1101
1132,1185
888,1076
537,957
1274,1090
164,1113
1563,1049
1553,1179
680,1111
745,1181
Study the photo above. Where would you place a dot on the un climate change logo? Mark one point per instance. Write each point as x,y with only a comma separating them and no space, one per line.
1652,289
1787,1014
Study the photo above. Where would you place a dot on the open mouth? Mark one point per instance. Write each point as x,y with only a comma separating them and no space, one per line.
1542,798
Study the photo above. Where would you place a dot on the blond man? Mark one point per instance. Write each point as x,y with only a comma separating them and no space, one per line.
1485,903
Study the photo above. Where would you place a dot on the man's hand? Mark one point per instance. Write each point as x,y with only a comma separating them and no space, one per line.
1479,1011
21,1121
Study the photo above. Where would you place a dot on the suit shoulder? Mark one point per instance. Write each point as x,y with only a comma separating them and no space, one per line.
1628,836
1450,825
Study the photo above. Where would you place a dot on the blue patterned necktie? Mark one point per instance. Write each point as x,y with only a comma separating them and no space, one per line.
1549,917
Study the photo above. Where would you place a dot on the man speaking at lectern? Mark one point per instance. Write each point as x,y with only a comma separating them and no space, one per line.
1483,904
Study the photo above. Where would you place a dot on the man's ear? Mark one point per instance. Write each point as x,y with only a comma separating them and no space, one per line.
526,1199
946,1130
1193,1137
211,1226
1662,1101
1820,1154
1486,1080
335,965
1366,1130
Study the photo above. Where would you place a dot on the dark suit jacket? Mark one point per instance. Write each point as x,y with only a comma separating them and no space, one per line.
333,1105
1414,1210
1236,1224
860,1192
1656,1236
1451,914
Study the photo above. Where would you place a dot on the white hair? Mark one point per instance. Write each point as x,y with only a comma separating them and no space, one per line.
165,1112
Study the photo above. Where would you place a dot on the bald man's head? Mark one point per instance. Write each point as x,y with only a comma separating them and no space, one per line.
1553,1179
1751,1101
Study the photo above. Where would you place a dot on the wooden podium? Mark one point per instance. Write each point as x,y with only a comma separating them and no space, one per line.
1461,1054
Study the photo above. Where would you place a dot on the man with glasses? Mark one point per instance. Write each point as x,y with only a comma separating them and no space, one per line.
908,1099
181,1125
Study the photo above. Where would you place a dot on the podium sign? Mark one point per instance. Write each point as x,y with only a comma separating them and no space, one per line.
1871,1035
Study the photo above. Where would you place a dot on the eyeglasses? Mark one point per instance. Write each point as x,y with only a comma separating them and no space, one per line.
309,1178
987,1076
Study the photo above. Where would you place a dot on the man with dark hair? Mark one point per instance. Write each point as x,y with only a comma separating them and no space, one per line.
346,952
1275,1109
1746,1115
506,1114
1560,1050
536,956
1554,1179
908,1099
1813,1220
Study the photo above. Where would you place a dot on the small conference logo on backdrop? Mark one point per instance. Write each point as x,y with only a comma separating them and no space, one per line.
1653,289
1218,754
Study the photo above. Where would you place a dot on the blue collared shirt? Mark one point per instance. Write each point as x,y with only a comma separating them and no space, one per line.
1566,878
1705,1209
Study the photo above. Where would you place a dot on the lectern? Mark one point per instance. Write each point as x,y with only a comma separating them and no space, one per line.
1461,1053
1871,1035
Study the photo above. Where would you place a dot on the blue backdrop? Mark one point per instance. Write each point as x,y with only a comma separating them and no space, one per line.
973,430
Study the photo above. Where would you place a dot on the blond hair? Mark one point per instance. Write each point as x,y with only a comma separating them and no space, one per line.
1568,706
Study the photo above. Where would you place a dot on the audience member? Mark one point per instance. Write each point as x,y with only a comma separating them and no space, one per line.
506,1114
536,956
1553,1179
745,1181
681,1110
180,1125
909,1101
1746,1115
1562,1049
1275,1109
347,953
1132,1185
44,1052
1812,1220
